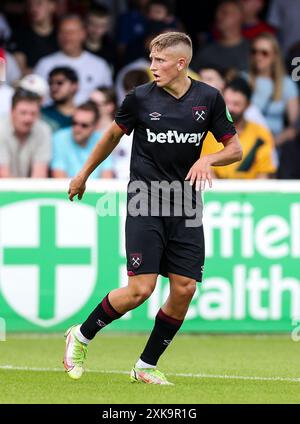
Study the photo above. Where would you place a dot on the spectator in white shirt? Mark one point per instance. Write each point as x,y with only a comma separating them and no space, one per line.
92,70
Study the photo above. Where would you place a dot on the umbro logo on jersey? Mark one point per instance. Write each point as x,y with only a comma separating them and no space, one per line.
155,116
172,136
199,113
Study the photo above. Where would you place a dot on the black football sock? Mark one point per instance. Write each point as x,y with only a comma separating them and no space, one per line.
101,316
162,334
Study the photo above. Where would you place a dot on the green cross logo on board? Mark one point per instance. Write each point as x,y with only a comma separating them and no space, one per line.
49,255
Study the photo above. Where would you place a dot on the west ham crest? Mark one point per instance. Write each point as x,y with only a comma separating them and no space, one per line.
199,113
136,260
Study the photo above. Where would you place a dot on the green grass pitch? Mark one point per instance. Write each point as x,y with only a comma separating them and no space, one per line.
204,368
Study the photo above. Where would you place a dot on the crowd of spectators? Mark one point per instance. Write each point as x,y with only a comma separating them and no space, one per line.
70,64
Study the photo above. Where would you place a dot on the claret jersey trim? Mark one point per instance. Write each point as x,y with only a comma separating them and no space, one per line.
225,137
123,128
172,136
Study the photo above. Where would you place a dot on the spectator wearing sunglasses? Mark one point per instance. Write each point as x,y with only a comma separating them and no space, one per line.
63,84
25,141
274,92
72,146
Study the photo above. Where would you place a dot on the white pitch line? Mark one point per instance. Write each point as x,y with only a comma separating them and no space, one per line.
216,376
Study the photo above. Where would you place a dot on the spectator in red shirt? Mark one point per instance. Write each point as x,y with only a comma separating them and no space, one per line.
253,25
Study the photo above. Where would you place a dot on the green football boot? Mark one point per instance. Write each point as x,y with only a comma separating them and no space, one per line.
148,376
75,354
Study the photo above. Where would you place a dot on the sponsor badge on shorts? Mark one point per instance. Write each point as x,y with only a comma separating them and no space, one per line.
136,260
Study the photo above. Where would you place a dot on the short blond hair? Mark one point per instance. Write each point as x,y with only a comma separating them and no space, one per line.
171,39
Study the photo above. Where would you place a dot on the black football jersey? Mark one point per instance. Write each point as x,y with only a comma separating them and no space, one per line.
169,132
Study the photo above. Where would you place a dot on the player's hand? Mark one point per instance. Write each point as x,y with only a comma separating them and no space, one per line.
77,187
199,173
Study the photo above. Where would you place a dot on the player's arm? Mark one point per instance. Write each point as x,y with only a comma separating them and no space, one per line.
223,129
231,153
201,171
100,152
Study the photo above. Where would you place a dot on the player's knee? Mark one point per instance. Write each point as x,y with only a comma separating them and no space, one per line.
140,294
191,288
186,289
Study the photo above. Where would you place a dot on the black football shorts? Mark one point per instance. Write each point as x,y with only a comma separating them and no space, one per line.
161,245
